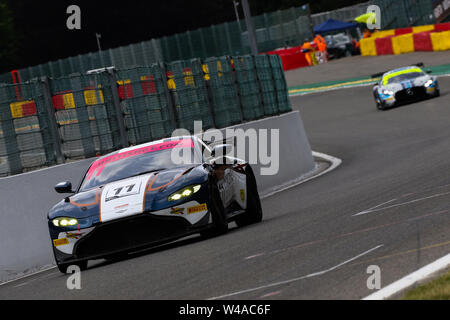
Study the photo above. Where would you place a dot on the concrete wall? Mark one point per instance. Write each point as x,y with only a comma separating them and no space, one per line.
295,155
25,244
25,201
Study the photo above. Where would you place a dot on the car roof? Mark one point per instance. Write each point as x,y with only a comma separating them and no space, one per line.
401,69
131,148
397,72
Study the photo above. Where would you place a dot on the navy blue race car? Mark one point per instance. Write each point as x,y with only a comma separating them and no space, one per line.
139,197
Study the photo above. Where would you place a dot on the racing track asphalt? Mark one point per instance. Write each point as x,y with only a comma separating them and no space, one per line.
311,244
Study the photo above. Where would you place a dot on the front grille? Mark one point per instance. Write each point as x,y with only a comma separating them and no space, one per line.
129,233
410,94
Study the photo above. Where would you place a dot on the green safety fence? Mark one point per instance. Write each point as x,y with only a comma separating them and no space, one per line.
46,121
405,13
25,138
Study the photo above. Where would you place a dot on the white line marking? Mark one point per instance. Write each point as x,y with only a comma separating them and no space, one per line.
401,204
271,294
296,279
335,162
28,275
410,279
254,256
370,209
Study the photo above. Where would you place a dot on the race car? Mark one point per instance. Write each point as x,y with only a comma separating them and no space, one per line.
404,85
139,197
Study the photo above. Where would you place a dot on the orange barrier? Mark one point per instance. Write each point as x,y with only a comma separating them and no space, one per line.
403,44
422,42
440,40
294,58
405,40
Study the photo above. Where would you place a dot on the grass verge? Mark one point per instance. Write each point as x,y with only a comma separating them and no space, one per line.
438,289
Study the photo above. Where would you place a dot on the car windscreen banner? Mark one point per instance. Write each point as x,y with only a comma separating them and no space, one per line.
98,165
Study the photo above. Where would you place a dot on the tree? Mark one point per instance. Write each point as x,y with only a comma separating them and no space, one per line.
8,41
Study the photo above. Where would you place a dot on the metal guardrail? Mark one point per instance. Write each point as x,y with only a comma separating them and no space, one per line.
52,120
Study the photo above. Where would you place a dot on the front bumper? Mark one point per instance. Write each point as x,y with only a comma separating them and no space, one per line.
130,233
409,95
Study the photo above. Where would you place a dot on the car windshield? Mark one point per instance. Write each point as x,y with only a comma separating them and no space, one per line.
138,161
404,77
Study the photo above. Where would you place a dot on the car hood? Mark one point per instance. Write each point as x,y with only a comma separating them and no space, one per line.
147,192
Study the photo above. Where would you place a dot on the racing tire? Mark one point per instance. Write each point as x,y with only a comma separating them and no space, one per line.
438,93
217,210
380,105
62,267
254,213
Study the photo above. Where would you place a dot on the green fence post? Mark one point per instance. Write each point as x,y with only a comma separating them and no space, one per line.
261,100
237,88
169,97
227,32
9,133
117,108
209,95
277,103
87,140
45,87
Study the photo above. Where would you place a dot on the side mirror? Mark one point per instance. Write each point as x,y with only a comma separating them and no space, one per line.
64,187
221,150
429,71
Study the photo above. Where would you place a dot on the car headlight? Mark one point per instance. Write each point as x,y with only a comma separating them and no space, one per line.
185,192
428,83
64,222
388,92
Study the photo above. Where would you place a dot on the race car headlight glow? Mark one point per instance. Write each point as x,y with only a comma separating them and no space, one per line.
429,83
185,192
64,222
388,92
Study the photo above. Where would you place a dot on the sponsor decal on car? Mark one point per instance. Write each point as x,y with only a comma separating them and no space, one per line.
175,210
196,209
74,235
242,192
60,242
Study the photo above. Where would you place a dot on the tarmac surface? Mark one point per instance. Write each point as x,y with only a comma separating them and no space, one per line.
359,66
388,205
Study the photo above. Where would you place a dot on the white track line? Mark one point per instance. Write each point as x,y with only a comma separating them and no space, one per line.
296,279
375,209
28,275
371,209
410,279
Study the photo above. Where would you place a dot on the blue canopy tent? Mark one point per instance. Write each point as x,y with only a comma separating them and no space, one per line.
333,25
